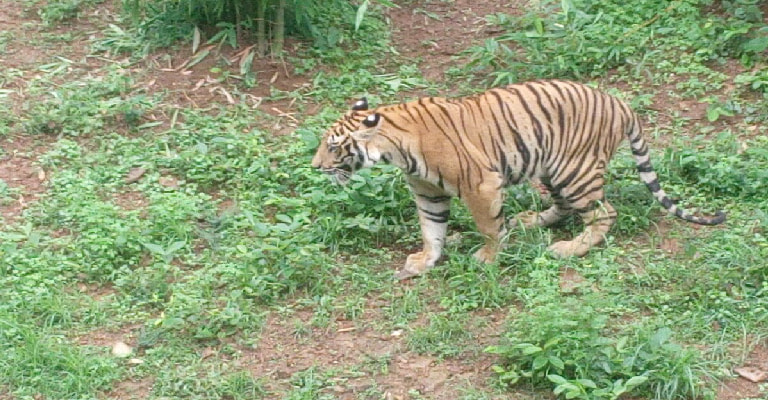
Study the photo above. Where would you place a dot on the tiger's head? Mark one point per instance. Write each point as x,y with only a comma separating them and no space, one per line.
345,146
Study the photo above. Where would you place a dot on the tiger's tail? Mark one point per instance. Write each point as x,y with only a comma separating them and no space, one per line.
648,176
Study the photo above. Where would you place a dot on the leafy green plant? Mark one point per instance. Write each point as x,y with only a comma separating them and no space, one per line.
82,108
553,345
7,193
724,175
268,20
756,80
216,381
583,38
308,385
56,11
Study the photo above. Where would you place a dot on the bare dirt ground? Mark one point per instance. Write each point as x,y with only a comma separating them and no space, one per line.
434,33
386,363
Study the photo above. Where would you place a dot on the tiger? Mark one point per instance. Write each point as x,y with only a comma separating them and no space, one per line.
557,134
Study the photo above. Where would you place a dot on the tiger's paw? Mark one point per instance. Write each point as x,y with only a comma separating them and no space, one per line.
527,219
416,264
569,248
544,194
486,254
404,274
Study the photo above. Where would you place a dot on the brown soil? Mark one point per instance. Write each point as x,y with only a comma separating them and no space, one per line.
19,171
435,33
740,388
204,84
371,358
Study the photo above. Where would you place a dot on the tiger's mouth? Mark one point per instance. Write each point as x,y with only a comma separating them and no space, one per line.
338,176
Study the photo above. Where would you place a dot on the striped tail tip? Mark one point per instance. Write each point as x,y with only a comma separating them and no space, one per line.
717,219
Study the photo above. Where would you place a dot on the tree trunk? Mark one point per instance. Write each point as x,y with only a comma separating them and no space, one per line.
278,37
261,27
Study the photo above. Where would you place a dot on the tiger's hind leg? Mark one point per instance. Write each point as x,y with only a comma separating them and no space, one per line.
556,212
598,221
530,219
598,216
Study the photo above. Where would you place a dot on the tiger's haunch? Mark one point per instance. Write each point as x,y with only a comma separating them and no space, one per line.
557,134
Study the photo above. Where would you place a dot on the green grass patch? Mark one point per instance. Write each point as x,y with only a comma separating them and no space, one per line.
584,38
38,363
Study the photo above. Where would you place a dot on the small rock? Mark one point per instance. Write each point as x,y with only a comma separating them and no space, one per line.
752,374
339,389
436,380
135,361
169,182
121,350
135,174
570,280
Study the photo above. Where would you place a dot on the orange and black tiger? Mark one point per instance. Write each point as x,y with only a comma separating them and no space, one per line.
557,133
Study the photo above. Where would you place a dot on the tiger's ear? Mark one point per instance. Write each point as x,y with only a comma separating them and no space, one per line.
360,105
370,127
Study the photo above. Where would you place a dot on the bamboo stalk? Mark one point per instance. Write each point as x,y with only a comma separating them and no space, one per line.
278,37
261,27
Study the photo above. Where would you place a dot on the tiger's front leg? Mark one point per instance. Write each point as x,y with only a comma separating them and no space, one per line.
434,209
486,203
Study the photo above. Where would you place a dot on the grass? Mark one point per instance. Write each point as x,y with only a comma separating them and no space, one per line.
230,246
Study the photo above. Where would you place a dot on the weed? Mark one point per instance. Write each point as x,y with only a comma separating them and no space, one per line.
35,363
444,336
712,173
58,11
583,38
554,345
83,108
308,385
7,193
216,380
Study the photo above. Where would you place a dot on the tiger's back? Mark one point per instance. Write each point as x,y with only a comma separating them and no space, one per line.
536,130
559,133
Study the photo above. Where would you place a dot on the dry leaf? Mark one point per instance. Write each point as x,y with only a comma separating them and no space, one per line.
199,84
196,37
230,99
207,352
